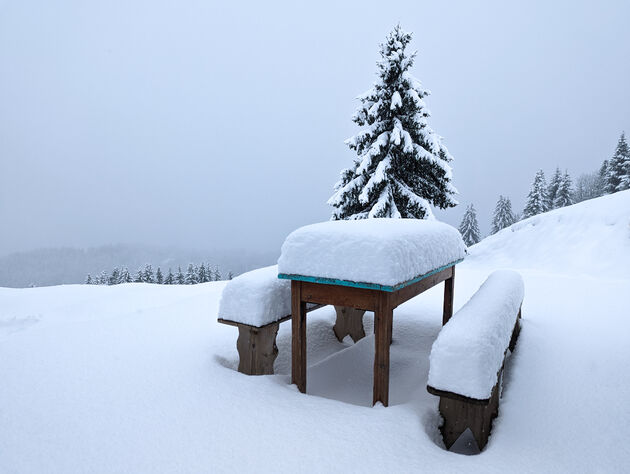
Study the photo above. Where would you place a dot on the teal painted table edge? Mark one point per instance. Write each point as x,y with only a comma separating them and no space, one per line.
367,286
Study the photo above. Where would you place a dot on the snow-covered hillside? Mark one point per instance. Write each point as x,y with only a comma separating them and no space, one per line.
141,378
591,238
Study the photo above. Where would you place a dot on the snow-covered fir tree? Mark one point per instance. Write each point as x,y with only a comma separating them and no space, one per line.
586,187
191,275
114,278
159,278
147,275
602,179
125,277
469,228
180,279
503,216
169,279
552,190
202,275
139,278
230,275
88,279
402,166
618,172
537,201
564,193
217,274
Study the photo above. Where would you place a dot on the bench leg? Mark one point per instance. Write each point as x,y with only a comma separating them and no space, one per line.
516,331
382,339
349,323
257,349
449,289
460,415
298,337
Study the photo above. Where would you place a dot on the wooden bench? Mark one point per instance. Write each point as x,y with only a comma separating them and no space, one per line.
468,357
257,302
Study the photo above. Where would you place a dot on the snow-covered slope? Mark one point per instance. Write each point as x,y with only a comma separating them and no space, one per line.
141,378
592,238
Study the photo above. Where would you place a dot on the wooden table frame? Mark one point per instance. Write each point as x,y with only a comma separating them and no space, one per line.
381,302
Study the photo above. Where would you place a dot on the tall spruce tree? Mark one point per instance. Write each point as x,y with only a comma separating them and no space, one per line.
503,216
537,201
159,278
469,228
88,279
202,275
148,276
402,166
618,173
564,196
552,190
139,276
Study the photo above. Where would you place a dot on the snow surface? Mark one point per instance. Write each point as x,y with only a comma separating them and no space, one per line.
468,353
379,251
141,378
257,297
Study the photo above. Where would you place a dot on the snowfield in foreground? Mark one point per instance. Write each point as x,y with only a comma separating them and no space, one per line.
141,378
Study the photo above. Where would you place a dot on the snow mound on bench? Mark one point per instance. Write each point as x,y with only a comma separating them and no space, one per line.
378,251
256,298
468,352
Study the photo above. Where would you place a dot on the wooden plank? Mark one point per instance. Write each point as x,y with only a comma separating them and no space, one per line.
408,292
358,298
309,307
383,317
457,396
449,293
298,339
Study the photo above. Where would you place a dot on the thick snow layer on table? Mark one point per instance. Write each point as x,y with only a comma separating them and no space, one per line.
142,378
469,351
384,252
257,297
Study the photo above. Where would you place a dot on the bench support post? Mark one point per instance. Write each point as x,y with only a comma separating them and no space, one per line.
257,348
459,415
449,287
298,339
349,323
383,336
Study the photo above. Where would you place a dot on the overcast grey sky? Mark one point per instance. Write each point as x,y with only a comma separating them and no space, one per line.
204,124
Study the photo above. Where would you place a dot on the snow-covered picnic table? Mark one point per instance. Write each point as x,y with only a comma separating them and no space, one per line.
373,265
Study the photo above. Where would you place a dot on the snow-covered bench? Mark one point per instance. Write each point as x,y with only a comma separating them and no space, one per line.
256,303
467,358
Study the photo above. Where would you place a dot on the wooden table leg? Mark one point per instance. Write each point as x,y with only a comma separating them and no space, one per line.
298,340
449,288
383,333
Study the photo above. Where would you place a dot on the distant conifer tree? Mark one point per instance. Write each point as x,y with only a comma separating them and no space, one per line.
230,275
602,179
537,201
503,216
170,278
180,279
88,279
148,276
191,275
469,227
618,173
565,192
552,190
139,276
202,275
159,278
125,277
